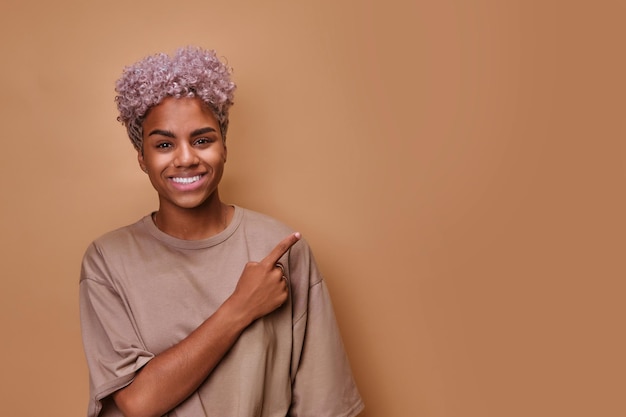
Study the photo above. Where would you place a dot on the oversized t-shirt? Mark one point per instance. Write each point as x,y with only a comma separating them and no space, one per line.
142,291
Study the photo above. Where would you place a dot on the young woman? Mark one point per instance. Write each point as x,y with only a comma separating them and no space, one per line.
203,308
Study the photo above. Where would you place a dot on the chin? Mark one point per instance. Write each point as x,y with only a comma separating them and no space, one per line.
192,203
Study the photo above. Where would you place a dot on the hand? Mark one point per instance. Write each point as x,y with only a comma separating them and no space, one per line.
261,288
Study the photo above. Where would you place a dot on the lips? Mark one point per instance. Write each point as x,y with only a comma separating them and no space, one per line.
186,180
186,183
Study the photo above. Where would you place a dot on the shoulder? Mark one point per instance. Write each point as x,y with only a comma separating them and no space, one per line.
121,237
256,223
264,232
111,245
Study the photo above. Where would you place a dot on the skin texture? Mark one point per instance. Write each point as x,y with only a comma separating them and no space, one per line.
182,140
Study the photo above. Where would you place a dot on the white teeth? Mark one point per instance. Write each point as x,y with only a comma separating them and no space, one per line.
188,180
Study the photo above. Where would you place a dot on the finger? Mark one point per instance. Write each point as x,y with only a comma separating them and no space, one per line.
281,249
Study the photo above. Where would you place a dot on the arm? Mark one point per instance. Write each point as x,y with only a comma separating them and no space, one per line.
173,375
323,384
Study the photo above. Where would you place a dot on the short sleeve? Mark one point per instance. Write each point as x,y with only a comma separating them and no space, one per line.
323,385
113,349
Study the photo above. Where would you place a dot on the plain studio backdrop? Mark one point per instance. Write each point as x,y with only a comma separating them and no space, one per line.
457,166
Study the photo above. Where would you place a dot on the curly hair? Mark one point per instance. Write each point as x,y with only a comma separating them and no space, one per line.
190,72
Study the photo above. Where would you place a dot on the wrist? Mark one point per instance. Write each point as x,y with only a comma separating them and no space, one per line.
236,313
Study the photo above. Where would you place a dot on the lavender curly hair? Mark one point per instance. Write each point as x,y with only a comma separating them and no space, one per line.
190,72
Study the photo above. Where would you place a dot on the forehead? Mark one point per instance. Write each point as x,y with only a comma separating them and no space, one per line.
178,113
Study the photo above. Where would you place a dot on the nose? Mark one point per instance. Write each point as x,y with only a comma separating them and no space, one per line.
185,156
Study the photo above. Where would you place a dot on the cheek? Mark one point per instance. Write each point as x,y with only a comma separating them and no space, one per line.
218,163
155,159
215,158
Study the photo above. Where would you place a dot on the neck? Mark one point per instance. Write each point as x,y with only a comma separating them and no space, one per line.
195,223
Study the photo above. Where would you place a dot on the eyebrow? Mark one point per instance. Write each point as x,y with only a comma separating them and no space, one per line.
202,131
161,132
170,134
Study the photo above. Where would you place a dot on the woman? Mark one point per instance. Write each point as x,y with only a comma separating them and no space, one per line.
203,308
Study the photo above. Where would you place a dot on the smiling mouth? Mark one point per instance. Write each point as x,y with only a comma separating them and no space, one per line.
186,180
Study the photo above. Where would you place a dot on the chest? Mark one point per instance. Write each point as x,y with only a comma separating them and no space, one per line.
170,292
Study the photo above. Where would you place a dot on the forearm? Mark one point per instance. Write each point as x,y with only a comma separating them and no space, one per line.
173,375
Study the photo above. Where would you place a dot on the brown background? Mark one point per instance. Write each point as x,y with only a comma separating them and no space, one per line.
458,167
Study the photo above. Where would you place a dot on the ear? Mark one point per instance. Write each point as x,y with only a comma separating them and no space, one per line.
142,163
225,153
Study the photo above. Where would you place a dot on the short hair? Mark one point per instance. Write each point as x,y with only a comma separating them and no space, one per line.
189,72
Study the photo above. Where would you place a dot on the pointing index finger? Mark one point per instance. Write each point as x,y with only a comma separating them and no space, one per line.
280,249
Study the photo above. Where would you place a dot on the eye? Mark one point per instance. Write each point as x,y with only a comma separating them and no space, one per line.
203,141
163,145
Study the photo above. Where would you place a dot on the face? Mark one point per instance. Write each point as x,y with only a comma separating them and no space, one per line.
183,153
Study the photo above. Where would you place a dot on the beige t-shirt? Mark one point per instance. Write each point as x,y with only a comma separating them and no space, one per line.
142,291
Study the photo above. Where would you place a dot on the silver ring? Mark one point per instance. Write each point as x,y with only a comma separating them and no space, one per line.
281,267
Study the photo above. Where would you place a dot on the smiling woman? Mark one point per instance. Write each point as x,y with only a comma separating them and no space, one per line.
184,155
171,325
